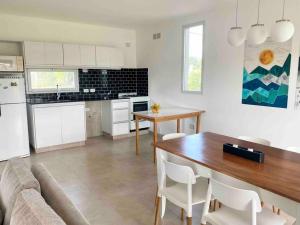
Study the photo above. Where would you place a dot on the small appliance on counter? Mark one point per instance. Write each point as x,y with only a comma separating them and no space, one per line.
13,117
11,64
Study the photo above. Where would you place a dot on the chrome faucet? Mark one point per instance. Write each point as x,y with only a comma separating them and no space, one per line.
57,93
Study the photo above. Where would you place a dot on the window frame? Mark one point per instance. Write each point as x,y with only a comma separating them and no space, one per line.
183,42
53,90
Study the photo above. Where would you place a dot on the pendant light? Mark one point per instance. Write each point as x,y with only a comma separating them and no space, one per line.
284,29
236,35
257,34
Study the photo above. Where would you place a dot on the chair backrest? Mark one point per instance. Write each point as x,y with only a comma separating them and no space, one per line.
235,198
293,149
172,136
255,140
178,173
161,155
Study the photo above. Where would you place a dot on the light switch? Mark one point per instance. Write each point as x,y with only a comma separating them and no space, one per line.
86,90
92,90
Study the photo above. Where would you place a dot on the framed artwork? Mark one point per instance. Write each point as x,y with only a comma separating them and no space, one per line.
297,99
266,74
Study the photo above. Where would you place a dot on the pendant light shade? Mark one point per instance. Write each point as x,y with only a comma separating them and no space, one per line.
257,34
236,36
284,29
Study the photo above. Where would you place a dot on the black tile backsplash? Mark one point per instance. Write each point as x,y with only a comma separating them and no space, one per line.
104,82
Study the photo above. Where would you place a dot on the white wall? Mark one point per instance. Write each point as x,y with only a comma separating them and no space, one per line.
19,28
223,65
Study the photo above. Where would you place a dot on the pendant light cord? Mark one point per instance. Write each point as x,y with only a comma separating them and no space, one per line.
283,10
236,13
258,12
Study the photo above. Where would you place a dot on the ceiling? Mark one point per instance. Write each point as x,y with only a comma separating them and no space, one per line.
123,13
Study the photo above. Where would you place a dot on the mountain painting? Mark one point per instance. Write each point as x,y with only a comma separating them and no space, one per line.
266,74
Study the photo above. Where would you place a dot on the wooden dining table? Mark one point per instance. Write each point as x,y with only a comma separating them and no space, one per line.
165,114
279,175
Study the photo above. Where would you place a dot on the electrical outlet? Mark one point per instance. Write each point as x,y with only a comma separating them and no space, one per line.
92,90
192,126
86,90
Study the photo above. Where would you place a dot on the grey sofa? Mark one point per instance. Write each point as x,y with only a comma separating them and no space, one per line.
31,196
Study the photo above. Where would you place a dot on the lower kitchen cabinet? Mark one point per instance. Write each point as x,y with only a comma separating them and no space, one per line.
115,117
54,126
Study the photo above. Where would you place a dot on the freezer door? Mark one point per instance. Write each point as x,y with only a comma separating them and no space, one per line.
12,90
13,131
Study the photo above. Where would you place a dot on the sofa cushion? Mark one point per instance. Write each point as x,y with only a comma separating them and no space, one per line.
56,197
31,209
16,177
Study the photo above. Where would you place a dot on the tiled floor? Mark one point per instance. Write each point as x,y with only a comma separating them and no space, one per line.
109,183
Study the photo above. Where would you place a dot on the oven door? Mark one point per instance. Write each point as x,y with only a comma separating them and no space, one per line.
140,106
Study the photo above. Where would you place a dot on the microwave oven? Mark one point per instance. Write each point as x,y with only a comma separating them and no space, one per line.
11,64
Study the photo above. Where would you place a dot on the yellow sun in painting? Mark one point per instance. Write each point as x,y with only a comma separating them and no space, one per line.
266,57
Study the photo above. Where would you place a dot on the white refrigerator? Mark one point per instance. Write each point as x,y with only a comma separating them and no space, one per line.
13,118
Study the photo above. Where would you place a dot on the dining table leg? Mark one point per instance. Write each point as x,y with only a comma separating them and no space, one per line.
137,136
178,125
154,140
198,123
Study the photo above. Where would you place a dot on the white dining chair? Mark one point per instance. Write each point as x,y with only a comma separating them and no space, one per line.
276,200
255,140
231,181
185,190
200,171
239,207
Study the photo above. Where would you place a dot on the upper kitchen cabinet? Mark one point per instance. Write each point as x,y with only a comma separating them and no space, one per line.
54,54
109,57
88,55
117,58
71,55
43,54
34,53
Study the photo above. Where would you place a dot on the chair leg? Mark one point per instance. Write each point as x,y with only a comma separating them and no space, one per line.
156,222
156,193
182,214
215,204
278,212
163,206
189,221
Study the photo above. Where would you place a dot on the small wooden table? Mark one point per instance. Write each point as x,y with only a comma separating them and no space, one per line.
165,114
279,175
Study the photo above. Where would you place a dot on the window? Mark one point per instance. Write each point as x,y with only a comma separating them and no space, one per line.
46,80
193,57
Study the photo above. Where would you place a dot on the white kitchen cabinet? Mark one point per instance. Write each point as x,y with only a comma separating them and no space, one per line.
88,55
53,126
115,117
109,57
71,55
47,127
116,58
53,54
73,123
103,56
120,115
120,129
43,54
34,53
